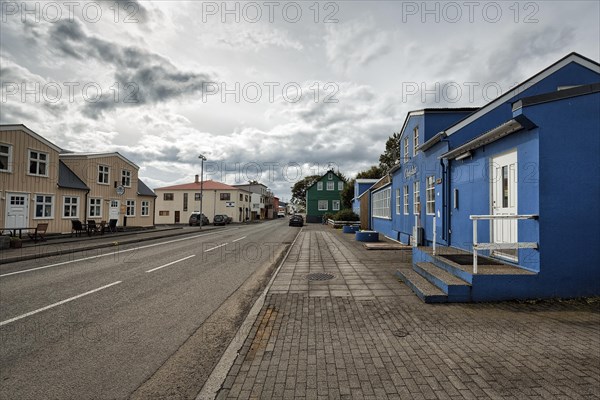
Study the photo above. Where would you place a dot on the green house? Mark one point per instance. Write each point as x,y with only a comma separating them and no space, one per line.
323,197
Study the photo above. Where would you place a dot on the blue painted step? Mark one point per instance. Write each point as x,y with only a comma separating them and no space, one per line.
457,289
424,289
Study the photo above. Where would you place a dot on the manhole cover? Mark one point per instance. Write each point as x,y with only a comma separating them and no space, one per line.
319,276
400,333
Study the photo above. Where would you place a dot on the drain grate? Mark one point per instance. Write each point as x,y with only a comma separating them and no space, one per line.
319,276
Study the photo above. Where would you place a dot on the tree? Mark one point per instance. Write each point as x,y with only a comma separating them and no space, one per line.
299,189
375,172
391,154
348,194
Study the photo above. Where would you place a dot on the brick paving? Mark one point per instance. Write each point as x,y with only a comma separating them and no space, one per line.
365,335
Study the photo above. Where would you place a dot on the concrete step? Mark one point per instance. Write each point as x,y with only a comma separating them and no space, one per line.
457,289
424,289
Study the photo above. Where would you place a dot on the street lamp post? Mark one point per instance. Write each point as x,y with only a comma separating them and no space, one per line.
202,158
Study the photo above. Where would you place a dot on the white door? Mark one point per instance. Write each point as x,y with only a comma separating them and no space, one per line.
113,210
17,210
504,202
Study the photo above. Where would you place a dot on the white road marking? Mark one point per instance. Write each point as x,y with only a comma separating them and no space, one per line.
8,321
111,254
237,240
216,247
171,263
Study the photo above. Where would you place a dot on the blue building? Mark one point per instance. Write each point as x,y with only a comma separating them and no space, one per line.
360,186
521,173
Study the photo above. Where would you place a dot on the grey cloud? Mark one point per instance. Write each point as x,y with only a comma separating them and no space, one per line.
154,78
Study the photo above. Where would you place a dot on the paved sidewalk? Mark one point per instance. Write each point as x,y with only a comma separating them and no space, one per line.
67,244
364,334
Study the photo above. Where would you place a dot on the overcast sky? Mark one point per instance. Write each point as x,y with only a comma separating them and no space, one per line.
272,91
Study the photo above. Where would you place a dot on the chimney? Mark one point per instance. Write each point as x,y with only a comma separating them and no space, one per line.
197,179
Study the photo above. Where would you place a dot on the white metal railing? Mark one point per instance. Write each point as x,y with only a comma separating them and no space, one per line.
498,246
434,235
352,223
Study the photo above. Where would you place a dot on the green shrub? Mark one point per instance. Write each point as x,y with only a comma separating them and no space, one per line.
346,215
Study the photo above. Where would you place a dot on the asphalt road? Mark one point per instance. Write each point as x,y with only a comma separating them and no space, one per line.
100,327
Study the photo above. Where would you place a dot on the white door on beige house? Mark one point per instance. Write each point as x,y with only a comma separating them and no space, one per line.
113,210
504,202
17,210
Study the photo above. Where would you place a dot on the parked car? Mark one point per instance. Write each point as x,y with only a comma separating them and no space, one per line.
296,220
228,219
280,214
220,219
195,219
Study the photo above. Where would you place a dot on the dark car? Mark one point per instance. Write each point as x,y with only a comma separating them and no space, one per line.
296,220
195,219
228,219
220,219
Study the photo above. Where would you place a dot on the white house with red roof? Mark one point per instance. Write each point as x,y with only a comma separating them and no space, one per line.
175,204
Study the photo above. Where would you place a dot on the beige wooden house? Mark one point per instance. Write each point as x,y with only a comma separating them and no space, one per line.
175,204
41,183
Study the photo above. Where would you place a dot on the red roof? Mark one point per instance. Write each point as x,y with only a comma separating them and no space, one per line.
208,185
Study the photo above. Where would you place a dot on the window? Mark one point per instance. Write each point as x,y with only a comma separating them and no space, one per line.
340,185
430,196
130,208
185,202
330,185
197,196
126,178
329,176
381,203
415,140
114,204
405,202
70,207
335,205
246,197
145,208
225,196
319,185
38,163
398,201
95,209
416,198
103,171
163,213
43,206
241,197
323,205
168,196
406,149
5,157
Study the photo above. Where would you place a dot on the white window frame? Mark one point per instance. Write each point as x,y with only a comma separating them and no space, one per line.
415,140
335,205
8,157
320,207
430,195
126,177
406,157
145,208
340,185
320,185
381,202
406,200
103,170
329,176
129,206
331,185
43,203
398,201
416,197
97,206
38,162
73,207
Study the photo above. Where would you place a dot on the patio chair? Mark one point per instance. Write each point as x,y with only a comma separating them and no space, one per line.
76,227
102,227
39,232
92,227
112,225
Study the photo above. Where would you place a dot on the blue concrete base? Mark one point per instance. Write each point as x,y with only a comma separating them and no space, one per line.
367,236
350,229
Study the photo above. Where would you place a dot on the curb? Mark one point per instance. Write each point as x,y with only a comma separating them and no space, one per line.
217,377
9,260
